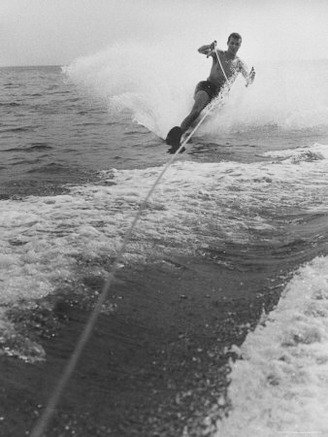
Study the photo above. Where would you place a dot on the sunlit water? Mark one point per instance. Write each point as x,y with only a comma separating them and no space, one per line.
254,178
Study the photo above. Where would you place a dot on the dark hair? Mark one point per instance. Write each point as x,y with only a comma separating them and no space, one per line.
235,36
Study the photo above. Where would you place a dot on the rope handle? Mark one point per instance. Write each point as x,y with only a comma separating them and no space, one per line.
211,48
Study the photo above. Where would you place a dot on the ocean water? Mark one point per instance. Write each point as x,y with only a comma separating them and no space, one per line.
81,146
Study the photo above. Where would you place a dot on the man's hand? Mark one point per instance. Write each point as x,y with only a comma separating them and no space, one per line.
213,45
211,48
251,77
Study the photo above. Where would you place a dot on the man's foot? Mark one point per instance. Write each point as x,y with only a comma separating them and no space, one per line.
173,139
173,149
174,136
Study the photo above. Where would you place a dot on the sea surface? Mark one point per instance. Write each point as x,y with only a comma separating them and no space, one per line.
81,145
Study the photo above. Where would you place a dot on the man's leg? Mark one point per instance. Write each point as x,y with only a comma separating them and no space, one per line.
173,138
202,99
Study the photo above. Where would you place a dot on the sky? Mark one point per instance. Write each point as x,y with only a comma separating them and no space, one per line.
56,32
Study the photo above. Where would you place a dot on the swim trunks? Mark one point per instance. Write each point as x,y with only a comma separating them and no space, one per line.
209,87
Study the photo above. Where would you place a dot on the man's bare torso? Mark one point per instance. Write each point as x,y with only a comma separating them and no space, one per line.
231,68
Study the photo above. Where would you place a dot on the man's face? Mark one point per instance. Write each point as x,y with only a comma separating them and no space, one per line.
234,45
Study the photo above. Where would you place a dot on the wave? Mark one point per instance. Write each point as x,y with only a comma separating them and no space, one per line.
10,104
314,152
33,147
38,146
18,129
278,384
51,168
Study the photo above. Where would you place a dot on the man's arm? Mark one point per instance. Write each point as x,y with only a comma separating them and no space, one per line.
251,77
207,49
248,75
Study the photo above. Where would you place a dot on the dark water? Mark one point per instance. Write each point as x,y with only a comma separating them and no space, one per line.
250,201
51,133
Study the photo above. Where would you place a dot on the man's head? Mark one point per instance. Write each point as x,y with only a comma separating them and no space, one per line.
234,42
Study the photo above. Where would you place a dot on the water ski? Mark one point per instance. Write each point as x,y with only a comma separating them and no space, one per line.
173,139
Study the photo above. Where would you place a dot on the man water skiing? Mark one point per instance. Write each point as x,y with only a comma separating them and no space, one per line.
225,68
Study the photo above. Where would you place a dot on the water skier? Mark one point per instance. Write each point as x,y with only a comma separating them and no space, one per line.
225,67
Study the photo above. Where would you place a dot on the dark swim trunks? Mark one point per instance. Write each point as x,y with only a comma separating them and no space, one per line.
209,87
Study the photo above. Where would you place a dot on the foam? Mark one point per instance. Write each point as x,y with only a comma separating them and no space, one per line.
303,153
280,386
195,207
93,218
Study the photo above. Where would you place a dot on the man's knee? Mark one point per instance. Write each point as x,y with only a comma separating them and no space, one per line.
201,100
